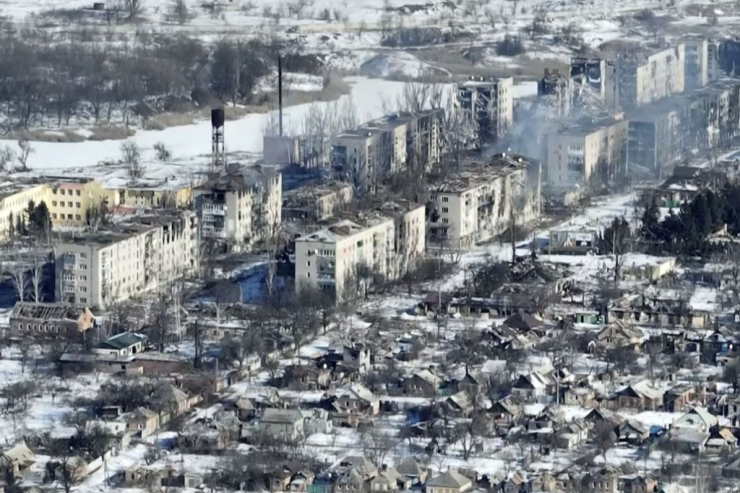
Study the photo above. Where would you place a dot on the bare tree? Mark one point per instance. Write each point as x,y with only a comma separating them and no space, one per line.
131,159
180,11
37,277
19,275
134,9
604,437
471,433
377,443
25,150
7,156
163,153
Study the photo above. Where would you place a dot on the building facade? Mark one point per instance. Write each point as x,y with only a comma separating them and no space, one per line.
239,208
97,269
488,105
696,64
347,256
586,150
393,143
480,201
646,79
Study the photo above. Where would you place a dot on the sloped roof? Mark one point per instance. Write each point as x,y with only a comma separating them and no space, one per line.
358,391
449,479
121,341
19,454
523,320
285,416
410,467
170,393
47,311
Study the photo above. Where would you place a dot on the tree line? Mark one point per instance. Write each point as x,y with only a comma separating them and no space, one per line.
46,83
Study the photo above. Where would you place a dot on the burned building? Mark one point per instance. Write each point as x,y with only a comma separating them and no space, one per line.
594,82
488,105
366,154
555,94
656,137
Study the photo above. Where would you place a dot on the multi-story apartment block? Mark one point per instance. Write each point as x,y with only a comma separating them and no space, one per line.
100,268
655,137
239,208
713,66
316,202
488,104
696,64
365,155
345,257
585,150
481,201
646,79
555,94
594,82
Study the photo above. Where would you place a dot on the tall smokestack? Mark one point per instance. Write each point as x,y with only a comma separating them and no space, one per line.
280,93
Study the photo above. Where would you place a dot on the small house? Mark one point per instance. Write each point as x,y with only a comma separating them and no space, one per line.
449,482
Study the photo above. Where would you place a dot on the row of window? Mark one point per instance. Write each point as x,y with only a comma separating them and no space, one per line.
62,192
69,217
69,204
39,328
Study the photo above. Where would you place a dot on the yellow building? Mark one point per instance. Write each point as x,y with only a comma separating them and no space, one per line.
70,200
149,198
14,198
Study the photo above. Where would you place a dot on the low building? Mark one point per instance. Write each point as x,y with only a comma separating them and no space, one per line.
121,345
282,423
449,482
98,268
482,200
49,319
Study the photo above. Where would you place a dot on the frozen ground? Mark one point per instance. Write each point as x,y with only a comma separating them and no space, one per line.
191,144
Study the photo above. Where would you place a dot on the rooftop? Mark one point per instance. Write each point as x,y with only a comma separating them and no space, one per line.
121,341
476,172
46,311
384,123
238,178
587,125
135,225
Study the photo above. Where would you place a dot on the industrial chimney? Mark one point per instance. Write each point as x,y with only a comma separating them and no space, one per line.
218,151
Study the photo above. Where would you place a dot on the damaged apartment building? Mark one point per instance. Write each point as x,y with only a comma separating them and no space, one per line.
370,152
482,200
646,77
487,105
99,268
346,257
239,207
663,133
585,151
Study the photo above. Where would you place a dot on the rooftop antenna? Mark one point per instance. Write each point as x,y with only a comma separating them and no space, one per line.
280,94
218,151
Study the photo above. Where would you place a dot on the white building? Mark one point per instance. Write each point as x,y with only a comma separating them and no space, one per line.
347,256
96,269
646,79
365,155
480,201
586,150
240,207
488,104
